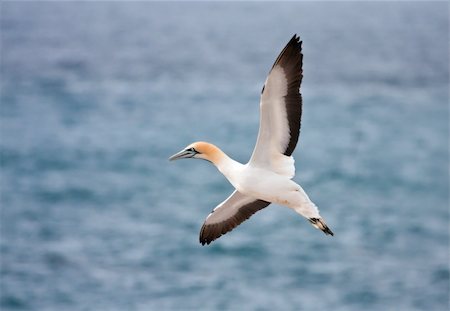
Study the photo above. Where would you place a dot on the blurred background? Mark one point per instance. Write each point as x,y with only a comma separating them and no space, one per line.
96,96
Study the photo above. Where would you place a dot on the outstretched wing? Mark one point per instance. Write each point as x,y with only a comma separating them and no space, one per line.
281,110
228,215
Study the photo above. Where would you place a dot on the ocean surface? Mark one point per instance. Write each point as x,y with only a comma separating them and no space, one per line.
95,96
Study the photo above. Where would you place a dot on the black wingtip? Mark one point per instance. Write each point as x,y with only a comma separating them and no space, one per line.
296,39
294,46
205,241
203,238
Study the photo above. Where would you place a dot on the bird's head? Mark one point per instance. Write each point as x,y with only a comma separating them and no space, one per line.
199,150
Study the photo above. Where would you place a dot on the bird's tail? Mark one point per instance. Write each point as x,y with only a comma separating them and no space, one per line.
320,224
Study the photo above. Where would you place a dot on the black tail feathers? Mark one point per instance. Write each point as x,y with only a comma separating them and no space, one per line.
319,223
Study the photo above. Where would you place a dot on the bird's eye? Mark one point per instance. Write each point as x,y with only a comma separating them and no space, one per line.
192,150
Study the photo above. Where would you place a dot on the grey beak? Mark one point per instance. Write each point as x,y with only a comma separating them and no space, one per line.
183,154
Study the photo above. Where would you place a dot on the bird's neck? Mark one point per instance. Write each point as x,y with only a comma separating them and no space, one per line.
226,165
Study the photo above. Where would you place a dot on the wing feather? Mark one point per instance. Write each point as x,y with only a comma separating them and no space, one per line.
228,215
281,110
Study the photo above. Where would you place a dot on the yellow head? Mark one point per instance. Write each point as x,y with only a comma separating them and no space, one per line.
200,150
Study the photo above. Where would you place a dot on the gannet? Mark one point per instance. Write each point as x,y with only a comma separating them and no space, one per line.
267,177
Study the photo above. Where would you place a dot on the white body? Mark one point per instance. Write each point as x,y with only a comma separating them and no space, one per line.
264,184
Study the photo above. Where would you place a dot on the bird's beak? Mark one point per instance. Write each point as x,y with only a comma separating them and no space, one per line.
183,154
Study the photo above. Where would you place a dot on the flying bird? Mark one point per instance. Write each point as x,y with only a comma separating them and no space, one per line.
267,177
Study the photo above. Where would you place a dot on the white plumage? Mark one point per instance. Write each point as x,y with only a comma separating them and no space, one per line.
267,177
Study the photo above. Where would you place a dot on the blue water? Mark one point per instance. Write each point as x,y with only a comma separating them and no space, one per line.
96,96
